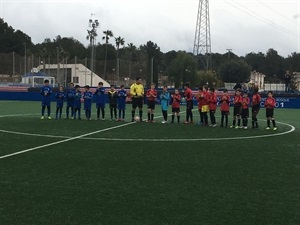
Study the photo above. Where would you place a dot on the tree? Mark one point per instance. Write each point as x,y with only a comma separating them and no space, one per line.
131,48
274,65
182,69
153,52
107,34
119,42
235,71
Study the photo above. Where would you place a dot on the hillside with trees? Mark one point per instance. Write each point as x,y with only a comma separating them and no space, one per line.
173,66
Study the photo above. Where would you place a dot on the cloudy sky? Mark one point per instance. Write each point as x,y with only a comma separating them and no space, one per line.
241,25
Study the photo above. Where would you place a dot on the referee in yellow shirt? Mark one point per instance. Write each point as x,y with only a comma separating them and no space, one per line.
137,96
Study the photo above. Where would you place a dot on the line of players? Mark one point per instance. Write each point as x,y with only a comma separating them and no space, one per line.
207,104
74,98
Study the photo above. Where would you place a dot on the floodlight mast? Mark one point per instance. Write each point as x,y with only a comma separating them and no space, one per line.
202,41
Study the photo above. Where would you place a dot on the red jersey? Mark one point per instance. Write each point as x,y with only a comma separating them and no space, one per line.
205,97
225,100
256,99
151,94
212,101
270,103
188,94
238,100
245,103
199,99
176,101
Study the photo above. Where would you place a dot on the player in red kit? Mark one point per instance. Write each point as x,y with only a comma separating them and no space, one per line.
255,107
189,103
151,95
224,107
199,99
237,108
205,105
212,106
270,104
176,98
245,109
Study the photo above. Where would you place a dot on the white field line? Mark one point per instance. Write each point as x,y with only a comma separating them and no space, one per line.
63,141
160,139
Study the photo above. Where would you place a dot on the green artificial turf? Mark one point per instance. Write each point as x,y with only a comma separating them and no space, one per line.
163,177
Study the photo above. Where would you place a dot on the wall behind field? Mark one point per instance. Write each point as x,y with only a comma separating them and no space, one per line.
281,101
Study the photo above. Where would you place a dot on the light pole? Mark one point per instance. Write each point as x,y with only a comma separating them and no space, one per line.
113,70
229,51
94,24
25,58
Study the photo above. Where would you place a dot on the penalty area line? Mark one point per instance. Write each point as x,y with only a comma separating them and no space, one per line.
63,141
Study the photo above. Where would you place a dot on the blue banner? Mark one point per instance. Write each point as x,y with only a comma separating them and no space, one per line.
281,102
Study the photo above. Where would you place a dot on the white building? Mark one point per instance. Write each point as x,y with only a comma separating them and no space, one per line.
76,73
296,79
257,79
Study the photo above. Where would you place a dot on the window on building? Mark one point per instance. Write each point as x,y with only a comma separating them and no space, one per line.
76,80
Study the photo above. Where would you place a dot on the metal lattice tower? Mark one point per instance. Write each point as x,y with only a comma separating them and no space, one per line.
202,42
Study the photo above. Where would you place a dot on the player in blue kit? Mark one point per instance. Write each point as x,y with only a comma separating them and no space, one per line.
77,102
88,97
164,102
60,96
46,92
100,100
70,100
122,95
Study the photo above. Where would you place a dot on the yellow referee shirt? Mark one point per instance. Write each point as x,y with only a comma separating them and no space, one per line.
137,90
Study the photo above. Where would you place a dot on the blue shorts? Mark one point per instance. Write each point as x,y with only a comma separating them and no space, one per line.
59,104
46,103
70,103
100,105
122,106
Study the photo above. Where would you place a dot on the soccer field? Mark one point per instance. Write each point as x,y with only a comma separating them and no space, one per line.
71,172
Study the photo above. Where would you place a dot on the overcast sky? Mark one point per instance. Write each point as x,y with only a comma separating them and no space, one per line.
241,25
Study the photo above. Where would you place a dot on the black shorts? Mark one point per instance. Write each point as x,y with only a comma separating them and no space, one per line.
151,104
137,102
224,113
113,105
245,113
189,104
237,109
175,110
270,113
255,109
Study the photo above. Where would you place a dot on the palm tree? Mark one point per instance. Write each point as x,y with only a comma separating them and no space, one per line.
107,34
119,42
131,48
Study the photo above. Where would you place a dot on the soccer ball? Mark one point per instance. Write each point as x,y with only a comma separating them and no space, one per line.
183,99
137,118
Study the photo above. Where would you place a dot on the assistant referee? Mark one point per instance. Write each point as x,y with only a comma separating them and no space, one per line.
137,94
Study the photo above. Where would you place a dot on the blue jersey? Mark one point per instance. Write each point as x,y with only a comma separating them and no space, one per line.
100,97
46,91
70,97
122,94
77,99
164,100
60,96
88,97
